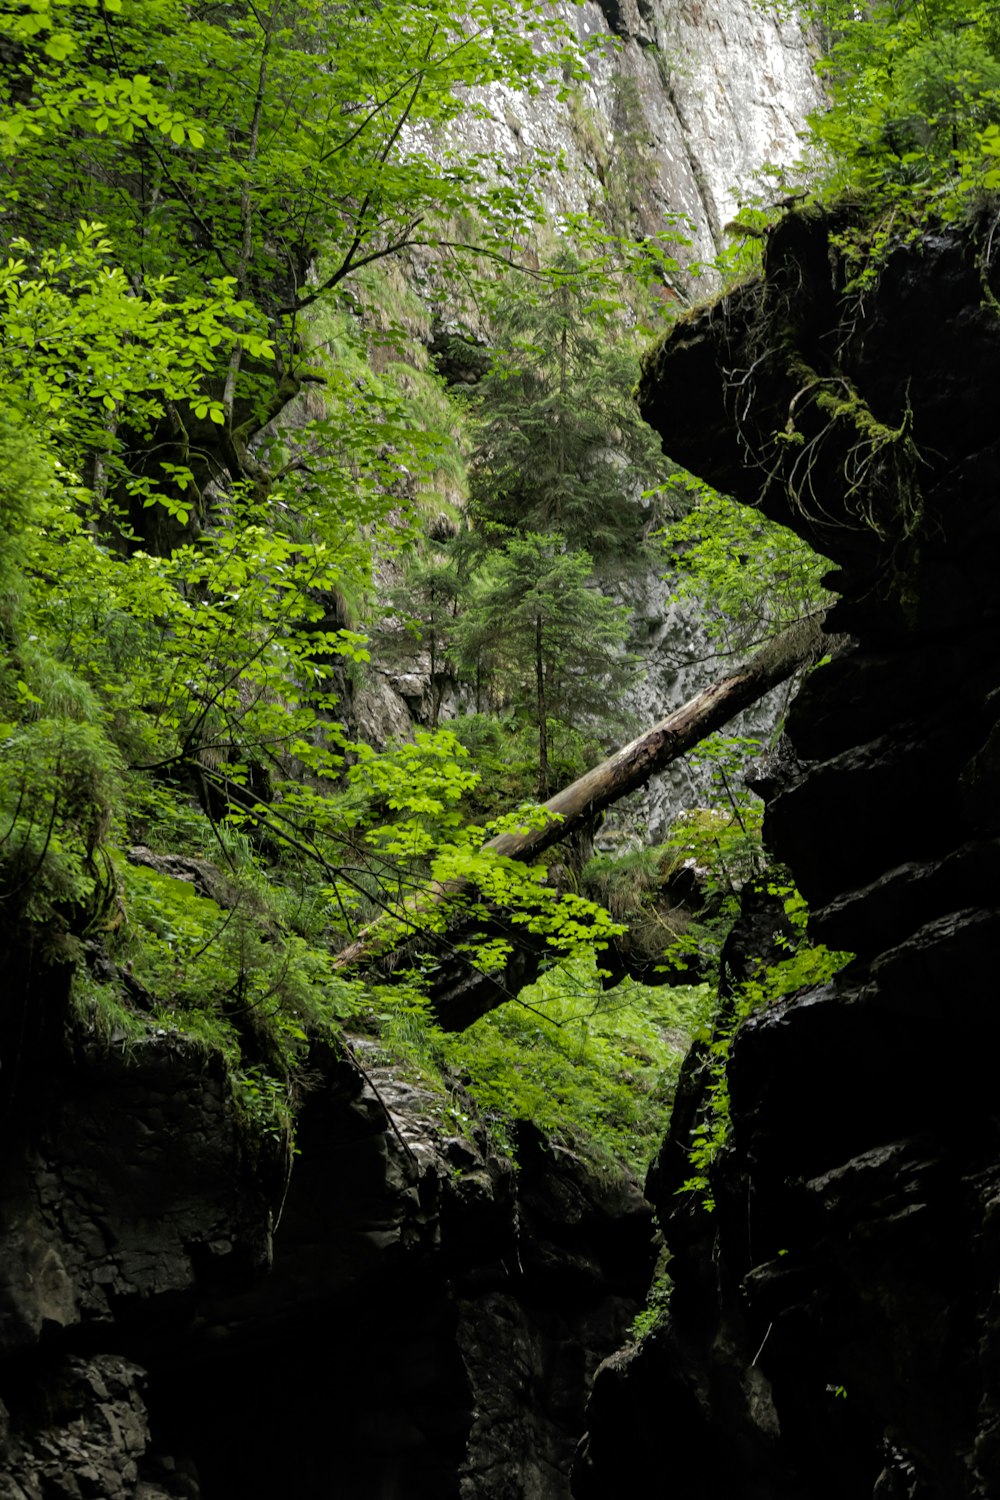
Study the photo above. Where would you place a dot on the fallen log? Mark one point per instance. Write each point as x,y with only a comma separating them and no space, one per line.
631,767
625,771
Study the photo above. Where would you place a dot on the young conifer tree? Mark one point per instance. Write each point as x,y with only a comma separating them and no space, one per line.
555,641
559,444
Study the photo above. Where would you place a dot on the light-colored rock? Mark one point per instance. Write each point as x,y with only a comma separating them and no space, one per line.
722,87
680,660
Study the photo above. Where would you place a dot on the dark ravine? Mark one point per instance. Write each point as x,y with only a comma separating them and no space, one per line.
400,1316
409,1318
834,1328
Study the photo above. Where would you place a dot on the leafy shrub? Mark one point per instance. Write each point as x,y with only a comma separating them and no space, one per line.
596,1071
59,781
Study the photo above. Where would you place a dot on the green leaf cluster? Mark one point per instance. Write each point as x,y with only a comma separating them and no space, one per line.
912,128
594,1071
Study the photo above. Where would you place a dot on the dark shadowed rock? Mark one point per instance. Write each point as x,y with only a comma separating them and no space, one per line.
835,1326
187,1312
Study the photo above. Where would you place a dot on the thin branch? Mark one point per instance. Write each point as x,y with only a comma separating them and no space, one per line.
246,202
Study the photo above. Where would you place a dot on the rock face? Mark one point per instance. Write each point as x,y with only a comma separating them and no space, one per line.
394,1312
680,660
683,102
834,1327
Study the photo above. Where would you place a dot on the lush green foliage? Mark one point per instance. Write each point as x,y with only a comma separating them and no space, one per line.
912,130
514,601
180,185
594,1070
429,845
915,91
750,576
548,639
556,431
214,410
228,153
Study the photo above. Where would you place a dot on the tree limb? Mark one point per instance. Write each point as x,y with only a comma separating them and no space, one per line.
625,771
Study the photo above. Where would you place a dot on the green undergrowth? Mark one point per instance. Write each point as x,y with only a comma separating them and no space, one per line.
231,977
504,752
681,898
594,1070
806,966
243,974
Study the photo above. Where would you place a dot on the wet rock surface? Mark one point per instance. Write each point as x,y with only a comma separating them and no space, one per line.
834,1328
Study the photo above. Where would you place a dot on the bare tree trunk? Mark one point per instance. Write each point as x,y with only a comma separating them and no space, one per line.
631,767
543,709
624,772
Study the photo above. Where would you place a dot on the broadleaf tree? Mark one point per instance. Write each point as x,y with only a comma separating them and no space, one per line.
270,149
180,186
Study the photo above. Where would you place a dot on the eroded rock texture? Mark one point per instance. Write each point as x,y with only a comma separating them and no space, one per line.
836,1323
395,1314
681,103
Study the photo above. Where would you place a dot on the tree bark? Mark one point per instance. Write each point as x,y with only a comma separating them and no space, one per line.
543,709
460,1000
631,767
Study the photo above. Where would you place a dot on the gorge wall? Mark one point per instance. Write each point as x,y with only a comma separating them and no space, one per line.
687,99
391,1313
394,1313
833,1327
682,104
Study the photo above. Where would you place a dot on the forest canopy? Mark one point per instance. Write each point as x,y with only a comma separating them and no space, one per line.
228,230
203,446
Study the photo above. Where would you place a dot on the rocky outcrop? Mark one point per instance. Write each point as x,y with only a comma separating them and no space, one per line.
83,1429
682,102
189,1310
834,1328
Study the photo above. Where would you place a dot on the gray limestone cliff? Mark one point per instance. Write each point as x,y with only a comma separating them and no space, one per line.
715,90
684,101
